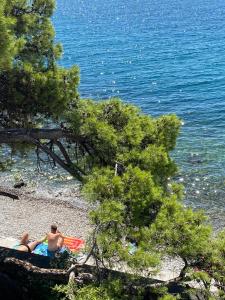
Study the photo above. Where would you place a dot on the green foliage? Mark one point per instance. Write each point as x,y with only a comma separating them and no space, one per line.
182,231
92,293
128,203
203,278
32,83
86,293
5,165
132,205
112,131
168,297
214,263
129,184
62,260
111,289
7,45
47,93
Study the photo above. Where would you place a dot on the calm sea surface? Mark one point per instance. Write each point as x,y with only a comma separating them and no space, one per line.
166,56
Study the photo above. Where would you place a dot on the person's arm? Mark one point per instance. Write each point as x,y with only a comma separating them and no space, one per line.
45,238
42,240
60,234
60,240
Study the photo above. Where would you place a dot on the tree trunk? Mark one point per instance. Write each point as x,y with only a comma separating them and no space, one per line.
33,136
23,269
19,135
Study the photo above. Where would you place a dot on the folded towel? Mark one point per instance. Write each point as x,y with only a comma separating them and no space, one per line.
73,244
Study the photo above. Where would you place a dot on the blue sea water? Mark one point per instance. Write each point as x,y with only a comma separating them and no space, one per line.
166,56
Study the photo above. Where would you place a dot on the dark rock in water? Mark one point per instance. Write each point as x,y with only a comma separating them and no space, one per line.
18,185
9,290
195,159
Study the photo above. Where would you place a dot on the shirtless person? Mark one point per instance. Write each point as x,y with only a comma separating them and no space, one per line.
55,240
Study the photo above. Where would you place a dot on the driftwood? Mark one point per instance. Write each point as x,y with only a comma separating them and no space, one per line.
26,269
14,262
12,266
11,193
22,274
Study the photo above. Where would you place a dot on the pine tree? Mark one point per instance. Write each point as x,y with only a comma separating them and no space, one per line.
32,84
7,44
129,169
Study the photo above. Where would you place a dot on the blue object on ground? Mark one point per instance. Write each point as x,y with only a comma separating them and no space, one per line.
42,249
132,248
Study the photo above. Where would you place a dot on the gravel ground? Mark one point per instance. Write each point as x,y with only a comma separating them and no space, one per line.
35,215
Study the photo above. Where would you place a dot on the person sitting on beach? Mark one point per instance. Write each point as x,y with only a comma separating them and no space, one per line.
55,240
27,246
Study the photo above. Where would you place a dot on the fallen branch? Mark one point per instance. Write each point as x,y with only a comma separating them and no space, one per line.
9,193
24,270
20,135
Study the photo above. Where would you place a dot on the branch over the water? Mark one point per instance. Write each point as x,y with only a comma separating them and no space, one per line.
33,136
19,135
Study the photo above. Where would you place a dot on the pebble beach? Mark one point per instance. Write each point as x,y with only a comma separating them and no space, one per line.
34,214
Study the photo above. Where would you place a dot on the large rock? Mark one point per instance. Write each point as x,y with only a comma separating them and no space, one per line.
9,289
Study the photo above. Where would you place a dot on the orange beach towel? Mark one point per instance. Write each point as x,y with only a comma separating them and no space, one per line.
73,243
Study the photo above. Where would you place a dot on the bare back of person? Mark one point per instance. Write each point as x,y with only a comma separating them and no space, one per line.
55,239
